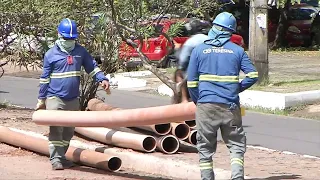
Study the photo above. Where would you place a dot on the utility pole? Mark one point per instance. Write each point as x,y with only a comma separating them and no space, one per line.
258,38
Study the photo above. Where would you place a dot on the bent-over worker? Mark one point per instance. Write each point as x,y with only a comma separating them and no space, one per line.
213,84
59,86
198,29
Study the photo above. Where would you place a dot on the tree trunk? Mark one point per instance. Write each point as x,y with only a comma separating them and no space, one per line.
282,28
258,40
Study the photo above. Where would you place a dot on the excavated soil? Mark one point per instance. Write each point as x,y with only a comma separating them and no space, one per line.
17,163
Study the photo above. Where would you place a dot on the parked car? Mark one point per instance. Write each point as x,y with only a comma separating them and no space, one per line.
315,30
156,46
300,18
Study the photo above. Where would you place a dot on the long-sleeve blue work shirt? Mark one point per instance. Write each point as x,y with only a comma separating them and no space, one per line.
62,71
213,73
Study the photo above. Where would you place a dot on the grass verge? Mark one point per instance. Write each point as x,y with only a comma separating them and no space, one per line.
7,105
301,111
289,86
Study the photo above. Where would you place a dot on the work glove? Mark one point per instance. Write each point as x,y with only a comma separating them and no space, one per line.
41,104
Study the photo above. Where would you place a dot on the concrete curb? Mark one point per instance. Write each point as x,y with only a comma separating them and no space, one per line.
269,100
146,163
272,100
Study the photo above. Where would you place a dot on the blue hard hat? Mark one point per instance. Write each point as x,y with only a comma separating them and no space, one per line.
226,20
68,28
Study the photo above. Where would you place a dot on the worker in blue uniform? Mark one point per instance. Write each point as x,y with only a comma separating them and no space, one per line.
198,31
59,86
213,84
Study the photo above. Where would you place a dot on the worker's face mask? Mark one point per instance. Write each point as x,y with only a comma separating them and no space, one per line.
218,37
65,45
217,31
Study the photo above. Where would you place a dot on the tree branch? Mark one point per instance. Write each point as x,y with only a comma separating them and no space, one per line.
145,60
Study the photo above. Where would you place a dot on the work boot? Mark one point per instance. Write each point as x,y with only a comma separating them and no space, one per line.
57,166
68,164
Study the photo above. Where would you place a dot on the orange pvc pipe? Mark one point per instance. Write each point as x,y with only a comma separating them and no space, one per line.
192,138
134,141
83,156
180,130
168,144
191,123
159,129
119,118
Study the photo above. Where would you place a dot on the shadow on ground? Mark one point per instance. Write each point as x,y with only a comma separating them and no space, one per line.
121,173
279,177
141,177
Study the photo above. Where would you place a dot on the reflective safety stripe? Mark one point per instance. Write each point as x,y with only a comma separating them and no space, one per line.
56,143
216,78
65,74
65,143
192,84
44,81
94,72
207,165
237,161
252,75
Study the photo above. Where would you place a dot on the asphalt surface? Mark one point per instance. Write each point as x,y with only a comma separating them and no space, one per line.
296,135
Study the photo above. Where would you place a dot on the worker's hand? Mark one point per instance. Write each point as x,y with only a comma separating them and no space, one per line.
176,44
105,85
41,104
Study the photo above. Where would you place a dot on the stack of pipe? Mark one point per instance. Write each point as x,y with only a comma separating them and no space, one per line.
167,124
167,135
166,143
183,130
83,156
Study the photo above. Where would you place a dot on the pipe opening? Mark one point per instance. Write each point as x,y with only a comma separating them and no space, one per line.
193,138
163,129
170,144
191,123
149,144
114,163
182,131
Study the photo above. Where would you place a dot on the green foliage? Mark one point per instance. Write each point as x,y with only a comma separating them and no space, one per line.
282,3
175,29
133,12
34,22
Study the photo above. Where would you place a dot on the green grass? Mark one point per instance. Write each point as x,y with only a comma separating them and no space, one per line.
8,105
4,104
285,112
295,111
268,111
170,70
289,86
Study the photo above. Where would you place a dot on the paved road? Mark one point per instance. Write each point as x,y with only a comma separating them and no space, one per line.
276,132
